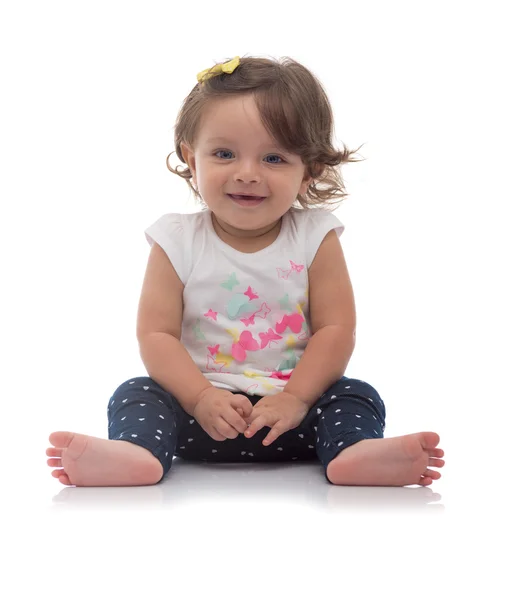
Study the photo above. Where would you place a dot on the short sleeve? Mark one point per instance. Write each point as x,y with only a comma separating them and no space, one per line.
168,232
320,221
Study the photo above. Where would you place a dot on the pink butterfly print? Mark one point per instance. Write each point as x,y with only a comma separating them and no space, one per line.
245,342
280,375
269,336
252,295
211,313
213,349
263,311
283,274
248,320
293,321
212,365
304,336
295,267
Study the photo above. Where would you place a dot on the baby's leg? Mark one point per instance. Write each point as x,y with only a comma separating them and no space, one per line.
143,422
351,445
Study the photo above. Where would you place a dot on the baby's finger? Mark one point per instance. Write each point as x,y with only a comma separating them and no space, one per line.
273,434
256,425
235,420
242,402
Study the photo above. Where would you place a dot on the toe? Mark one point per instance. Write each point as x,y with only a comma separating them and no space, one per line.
54,462
53,452
430,439
61,476
61,439
436,462
64,479
432,474
425,481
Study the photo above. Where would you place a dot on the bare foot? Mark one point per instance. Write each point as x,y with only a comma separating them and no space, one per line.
92,461
396,461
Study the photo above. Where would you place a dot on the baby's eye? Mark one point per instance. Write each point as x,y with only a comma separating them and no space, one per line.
277,156
272,163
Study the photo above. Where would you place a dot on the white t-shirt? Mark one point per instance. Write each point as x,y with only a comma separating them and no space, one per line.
246,316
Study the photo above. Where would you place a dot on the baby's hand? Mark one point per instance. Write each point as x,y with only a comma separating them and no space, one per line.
281,412
241,413
217,414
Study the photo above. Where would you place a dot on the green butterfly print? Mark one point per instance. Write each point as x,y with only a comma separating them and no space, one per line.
240,304
197,331
289,363
231,283
284,302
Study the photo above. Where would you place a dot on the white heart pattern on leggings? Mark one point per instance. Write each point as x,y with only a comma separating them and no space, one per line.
146,387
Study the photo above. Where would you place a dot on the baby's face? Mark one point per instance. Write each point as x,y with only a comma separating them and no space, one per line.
246,159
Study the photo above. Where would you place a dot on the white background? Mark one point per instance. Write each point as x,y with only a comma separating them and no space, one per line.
90,93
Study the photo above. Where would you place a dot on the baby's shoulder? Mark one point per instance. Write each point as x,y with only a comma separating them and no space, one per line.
178,224
307,221
177,233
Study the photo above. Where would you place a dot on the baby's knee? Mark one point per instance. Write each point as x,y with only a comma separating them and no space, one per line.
134,384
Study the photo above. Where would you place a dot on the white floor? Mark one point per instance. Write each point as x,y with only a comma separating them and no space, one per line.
252,531
299,485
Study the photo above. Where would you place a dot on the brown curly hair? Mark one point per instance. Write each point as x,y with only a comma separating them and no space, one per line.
293,107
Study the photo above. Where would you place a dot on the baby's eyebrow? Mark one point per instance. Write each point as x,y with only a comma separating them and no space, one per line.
226,140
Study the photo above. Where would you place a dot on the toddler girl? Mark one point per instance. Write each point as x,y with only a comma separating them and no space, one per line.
246,317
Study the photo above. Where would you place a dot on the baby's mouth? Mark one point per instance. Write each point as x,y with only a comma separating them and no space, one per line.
247,201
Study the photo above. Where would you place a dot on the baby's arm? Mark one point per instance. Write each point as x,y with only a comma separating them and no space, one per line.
159,323
169,364
333,324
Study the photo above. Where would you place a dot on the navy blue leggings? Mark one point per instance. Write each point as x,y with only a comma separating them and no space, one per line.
142,412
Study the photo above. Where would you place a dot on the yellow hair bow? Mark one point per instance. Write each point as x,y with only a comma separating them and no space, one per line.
227,67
